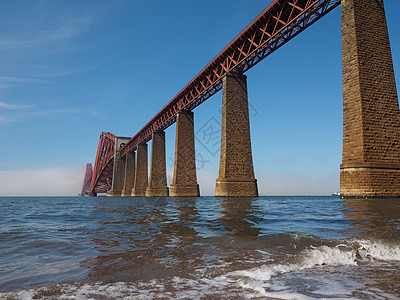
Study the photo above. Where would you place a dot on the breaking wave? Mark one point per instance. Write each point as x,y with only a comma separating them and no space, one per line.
339,270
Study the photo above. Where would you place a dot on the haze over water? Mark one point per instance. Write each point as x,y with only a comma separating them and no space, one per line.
193,248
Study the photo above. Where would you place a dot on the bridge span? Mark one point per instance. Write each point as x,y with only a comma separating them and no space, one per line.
371,117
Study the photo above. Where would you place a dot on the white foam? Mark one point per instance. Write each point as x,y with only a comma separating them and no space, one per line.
342,255
325,255
381,251
316,264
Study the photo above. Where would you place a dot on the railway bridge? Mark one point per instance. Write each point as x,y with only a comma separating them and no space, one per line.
371,117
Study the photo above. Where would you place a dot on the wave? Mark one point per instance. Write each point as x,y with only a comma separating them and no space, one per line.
352,253
334,269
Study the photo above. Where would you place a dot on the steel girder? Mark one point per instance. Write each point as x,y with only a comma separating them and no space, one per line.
87,180
103,167
277,24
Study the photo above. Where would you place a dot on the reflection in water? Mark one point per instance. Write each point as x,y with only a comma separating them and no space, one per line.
238,216
374,218
169,236
145,239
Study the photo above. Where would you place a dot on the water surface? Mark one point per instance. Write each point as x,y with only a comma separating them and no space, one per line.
193,248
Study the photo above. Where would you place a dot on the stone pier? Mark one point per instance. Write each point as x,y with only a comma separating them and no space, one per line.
158,174
184,183
129,174
141,172
371,117
118,168
236,173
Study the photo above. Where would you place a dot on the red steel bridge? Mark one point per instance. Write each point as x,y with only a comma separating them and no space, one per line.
277,24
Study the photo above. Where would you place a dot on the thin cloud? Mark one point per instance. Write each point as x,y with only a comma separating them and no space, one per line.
67,72
70,28
25,113
45,113
16,80
6,120
9,82
13,106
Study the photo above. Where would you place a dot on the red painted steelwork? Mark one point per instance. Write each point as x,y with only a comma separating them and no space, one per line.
102,173
278,23
87,180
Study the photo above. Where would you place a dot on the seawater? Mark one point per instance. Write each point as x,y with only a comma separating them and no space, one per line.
199,248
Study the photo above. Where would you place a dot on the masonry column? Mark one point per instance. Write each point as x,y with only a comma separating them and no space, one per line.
141,172
371,117
158,174
129,174
184,182
118,168
236,173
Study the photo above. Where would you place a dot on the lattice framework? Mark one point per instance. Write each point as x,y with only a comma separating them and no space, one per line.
277,24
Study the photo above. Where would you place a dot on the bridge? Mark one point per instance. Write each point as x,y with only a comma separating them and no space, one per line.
371,116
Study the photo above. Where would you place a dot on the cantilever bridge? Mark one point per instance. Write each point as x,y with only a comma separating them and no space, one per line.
121,163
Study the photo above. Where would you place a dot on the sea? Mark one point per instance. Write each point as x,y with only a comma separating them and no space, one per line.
316,247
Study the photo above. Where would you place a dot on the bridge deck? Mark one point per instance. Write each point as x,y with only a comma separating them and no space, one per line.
278,23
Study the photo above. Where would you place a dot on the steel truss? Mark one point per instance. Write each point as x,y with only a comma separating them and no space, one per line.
103,167
277,24
87,180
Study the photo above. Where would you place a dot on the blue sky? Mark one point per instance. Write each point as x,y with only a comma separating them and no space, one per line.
73,69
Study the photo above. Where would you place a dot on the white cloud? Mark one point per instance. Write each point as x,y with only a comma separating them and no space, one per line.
12,106
62,181
12,79
69,28
23,113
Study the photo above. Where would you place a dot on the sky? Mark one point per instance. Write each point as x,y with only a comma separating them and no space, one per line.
72,69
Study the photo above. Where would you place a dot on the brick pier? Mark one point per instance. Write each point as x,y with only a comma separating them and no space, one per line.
371,117
184,183
236,173
158,174
129,174
118,169
141,171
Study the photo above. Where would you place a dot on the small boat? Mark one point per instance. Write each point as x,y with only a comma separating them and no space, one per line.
336,194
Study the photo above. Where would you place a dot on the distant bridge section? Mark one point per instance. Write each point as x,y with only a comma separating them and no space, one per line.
87,180
103,167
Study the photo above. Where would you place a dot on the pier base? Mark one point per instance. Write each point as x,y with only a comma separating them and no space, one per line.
370,182
90,194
